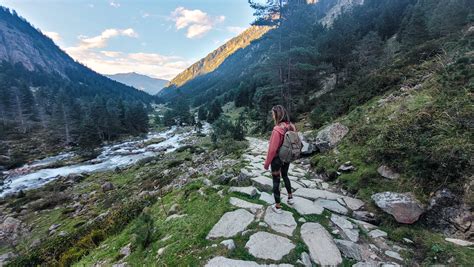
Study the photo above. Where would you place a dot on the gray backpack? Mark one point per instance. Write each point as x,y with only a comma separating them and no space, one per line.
291,147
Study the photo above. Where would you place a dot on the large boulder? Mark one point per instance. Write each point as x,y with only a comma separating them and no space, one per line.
308,148
329,136
404,207
448,213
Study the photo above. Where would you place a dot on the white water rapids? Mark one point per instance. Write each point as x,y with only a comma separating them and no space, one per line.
113,156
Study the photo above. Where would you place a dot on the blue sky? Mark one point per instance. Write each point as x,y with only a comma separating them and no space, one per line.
158,38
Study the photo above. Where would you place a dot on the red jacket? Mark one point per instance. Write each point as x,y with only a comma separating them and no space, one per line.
276,140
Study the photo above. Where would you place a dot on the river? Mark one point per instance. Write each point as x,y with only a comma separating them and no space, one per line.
111,157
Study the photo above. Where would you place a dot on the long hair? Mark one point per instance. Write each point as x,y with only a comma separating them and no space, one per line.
281,115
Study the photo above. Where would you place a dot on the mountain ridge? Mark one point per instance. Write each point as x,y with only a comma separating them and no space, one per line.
140,81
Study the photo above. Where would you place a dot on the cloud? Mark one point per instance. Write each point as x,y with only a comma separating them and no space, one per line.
114,4
90,52
101,40
235,29
196,22
54,36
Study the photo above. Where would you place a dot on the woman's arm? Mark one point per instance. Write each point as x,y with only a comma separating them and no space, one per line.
272,148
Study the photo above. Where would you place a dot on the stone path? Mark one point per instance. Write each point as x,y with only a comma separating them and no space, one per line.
278,234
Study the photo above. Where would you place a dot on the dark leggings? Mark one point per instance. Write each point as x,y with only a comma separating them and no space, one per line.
280,169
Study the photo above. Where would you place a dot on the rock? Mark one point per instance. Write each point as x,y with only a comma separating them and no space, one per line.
121,264
363,225
330,136
365,216
314,194
263,183
229,244
353,203
6,257
175,216
408,241
107,186
460,242
262,224
174,209
126,251
231,223
349,249
307,148
269,199
220,261
393,255
75,177
307,207
302,220
53,227
161,251
283,223
306,259
11,230
224,178
254,208
247,190
388,173
405,208
322,249
331,205
448,213
377,233
346,167
346,226
207,182
367,264
268,246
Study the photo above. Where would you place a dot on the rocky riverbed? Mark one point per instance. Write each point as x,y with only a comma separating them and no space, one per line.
38,173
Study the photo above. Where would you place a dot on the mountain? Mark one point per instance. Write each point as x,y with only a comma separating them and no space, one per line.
145,83
214,59
235,58
48,101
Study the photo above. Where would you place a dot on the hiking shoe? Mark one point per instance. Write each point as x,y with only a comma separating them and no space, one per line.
276,209
290,201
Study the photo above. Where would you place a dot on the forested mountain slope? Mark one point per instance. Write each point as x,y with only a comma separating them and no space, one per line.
48,101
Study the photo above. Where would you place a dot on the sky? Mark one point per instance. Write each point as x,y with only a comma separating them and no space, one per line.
158,38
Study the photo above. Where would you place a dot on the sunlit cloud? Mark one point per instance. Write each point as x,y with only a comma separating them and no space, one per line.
54,36
196,22
90,52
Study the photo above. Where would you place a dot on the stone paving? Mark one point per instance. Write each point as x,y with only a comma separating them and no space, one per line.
278,234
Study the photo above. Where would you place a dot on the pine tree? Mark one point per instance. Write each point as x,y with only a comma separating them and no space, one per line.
215,111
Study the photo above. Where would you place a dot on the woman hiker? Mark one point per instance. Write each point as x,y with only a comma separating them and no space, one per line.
279,168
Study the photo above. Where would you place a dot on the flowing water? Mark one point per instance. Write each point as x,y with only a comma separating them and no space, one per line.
112,157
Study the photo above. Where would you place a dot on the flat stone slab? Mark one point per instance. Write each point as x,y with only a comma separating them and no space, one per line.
314,194
322,248
332,205
263,183
377,233
460,242
226,262
239,203
246,190
346,226
306,207
282,223
353,203
268,198
231,223
268,246
349,249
